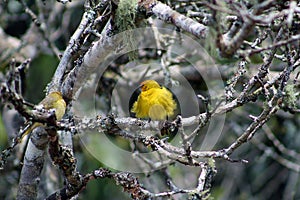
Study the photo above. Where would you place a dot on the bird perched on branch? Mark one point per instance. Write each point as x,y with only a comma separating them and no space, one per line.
154,102
55,101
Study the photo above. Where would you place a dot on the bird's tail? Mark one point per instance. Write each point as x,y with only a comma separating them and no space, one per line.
29,129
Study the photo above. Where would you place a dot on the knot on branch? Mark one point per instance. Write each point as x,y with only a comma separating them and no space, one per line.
130,184
150,141
109,124
63,157
101,173
171,128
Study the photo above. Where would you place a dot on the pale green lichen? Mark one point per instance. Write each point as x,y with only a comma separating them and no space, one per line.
125,21
212,163
290,97
125,15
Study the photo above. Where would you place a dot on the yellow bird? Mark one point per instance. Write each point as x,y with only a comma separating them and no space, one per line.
154,102
55,101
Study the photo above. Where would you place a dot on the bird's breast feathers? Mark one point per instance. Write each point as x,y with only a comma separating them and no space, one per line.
156,103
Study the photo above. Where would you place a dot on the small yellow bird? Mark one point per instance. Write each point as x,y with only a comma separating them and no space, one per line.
55,101
154,102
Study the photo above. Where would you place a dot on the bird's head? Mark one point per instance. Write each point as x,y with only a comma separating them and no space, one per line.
148,84
55,95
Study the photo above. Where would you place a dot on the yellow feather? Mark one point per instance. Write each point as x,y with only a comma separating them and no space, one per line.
52,101
154,102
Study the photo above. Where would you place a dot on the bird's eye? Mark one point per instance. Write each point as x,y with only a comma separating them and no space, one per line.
144,87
